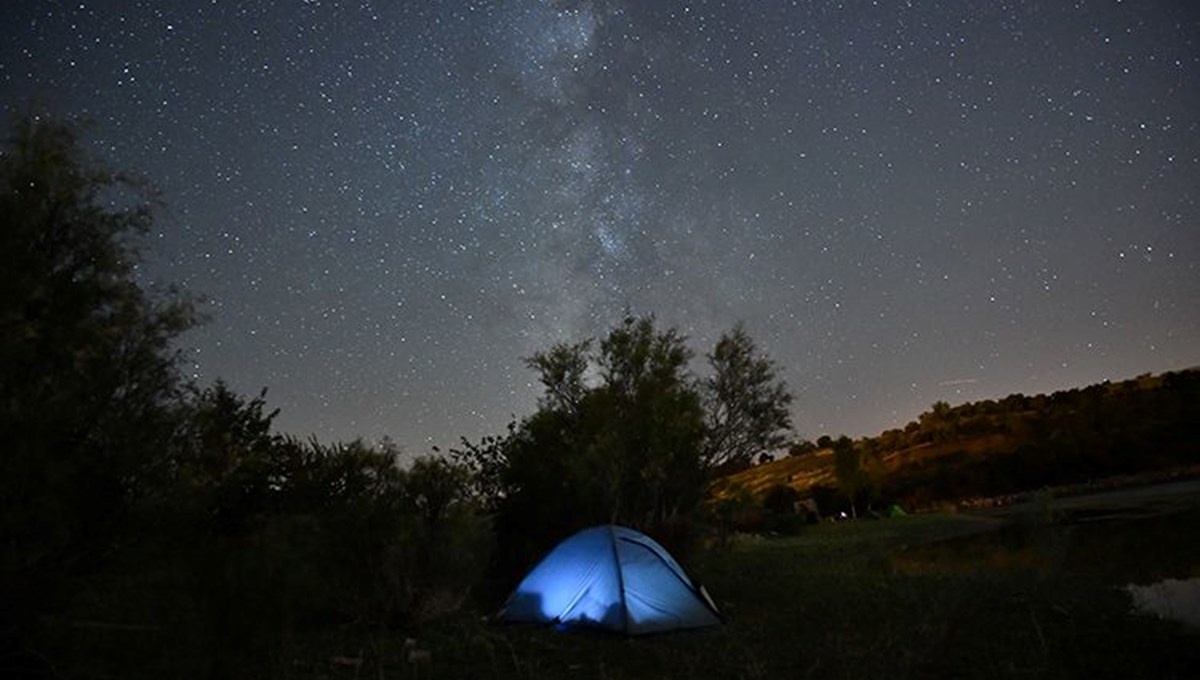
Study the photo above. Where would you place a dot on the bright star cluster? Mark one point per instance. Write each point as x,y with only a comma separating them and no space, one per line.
389,204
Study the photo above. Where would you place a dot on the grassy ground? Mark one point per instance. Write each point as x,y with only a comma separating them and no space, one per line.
1035,594
924,596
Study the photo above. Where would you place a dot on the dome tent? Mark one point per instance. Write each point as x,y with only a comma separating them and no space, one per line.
613,578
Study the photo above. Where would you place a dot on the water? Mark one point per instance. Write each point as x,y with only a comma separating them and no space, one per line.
1139,541
1176,599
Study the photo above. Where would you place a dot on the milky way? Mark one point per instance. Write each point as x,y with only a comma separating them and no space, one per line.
389,204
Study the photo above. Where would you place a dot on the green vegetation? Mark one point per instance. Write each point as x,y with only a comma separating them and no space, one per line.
153,527
88,382
137,501
1001,447
920,597
636,446
973,451
747,405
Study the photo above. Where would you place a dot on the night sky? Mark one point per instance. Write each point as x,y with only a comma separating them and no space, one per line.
389,204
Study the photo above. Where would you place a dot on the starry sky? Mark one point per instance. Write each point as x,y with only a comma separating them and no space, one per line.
389,203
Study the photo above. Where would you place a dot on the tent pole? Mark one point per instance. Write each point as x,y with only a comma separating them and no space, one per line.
612,535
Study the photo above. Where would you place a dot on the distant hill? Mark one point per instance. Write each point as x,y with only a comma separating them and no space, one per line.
994,447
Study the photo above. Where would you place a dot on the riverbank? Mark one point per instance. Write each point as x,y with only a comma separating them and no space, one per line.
1038,590
930,596
1187,476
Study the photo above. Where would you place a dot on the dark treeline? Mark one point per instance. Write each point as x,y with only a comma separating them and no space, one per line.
1018,443
141,506
155,527
151,526
975,453
637,445
995,448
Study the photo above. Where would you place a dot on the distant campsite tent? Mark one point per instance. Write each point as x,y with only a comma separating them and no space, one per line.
613,578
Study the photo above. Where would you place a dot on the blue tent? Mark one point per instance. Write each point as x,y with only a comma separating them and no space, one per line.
613,578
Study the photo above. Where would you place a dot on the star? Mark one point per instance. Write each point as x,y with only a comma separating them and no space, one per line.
389,206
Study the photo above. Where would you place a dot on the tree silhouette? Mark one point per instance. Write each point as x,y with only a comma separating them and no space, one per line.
561,371
858,470
89,372
625,449
746,403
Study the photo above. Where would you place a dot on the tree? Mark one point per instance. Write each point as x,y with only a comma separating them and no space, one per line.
89,374
938,423
486,464
651,422
625,449
858,471
437,484
847,468
227,465
747,404
801,447
561,370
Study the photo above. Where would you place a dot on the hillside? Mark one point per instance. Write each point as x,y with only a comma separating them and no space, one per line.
1018,443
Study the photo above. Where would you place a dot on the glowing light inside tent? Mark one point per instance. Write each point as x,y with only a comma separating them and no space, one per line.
614,578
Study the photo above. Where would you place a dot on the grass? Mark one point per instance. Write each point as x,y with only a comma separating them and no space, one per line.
918,597
1028,595
799,472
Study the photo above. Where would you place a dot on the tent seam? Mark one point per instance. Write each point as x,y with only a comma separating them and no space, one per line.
612,534
684,577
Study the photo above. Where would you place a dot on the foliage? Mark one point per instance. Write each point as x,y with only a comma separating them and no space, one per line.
781,499
624,433
801,447
848,469
998,448
625,449
485,464
747,405
383,543
561,370
155,528
938,423
133,496
782,512
926,596
88,378
733,509
649,423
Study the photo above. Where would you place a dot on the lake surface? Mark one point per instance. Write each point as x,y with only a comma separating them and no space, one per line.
1176,599
1140,541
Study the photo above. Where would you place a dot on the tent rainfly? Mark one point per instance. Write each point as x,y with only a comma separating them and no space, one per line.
613,578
